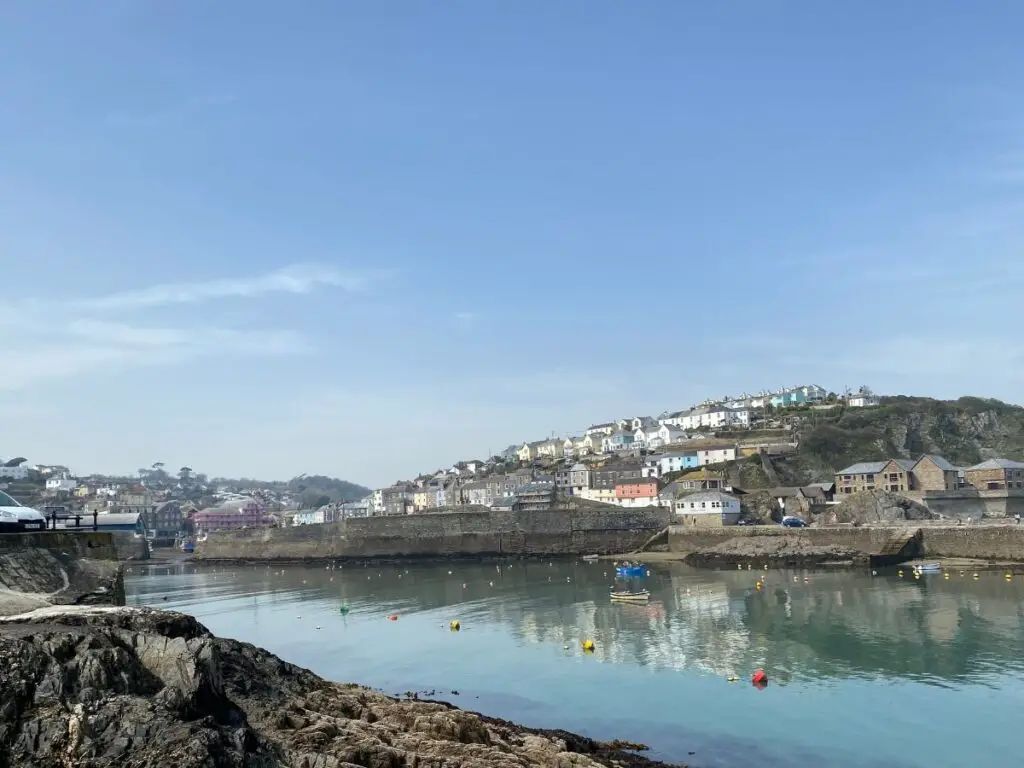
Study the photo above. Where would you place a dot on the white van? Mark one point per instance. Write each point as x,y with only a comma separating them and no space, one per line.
15,518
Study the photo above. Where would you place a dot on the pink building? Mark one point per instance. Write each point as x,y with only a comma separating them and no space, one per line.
249,514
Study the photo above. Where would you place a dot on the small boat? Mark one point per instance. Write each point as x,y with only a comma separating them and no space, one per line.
928,567
640,596
631,569
591,558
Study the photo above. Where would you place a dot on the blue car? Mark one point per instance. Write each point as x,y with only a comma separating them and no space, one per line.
793,522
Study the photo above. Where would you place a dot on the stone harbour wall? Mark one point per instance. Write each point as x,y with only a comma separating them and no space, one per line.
984,542
462,534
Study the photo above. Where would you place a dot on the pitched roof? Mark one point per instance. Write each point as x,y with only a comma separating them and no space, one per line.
907,464
864,468
998,464
939,461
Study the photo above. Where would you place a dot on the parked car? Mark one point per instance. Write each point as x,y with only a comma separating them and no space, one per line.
793,522
15,518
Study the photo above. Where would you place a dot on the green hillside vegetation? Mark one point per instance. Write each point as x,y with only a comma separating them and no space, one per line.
965,431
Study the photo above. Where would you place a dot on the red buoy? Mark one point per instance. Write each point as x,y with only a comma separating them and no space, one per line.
760,679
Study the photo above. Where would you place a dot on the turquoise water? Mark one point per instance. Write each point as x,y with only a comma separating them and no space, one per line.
864,671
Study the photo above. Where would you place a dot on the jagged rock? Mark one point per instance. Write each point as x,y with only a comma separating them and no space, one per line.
91,687
877,507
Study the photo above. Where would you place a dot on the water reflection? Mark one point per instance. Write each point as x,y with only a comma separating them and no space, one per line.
815,626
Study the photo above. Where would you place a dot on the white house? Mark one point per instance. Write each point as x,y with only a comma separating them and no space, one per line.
862,398
717,454
674,419
710,503
600,429
667,434
554,449
14,473
377,502
62,483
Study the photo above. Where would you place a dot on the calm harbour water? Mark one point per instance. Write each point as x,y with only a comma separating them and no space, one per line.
864,671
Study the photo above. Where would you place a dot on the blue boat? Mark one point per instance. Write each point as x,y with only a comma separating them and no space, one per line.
631,570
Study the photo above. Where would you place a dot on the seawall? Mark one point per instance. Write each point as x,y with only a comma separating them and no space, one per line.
998,543
58,568
462,534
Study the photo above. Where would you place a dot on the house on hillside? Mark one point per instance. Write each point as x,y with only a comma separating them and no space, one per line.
579,478
529,451
893,475
535,497
600,429
608,475
637,492
862,398
617,441
708,509
552,449
700,480
716,454
674,462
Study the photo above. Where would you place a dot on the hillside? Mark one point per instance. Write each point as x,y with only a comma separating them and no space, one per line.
965,431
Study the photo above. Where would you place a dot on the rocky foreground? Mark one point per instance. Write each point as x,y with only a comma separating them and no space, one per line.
102,686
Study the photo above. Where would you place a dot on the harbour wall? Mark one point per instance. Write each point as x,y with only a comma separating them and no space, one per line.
460,534
1004,542
969,503
58,568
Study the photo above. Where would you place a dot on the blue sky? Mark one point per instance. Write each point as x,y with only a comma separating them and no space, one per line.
369,239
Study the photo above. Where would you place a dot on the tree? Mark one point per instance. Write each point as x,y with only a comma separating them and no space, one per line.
15,462
185,475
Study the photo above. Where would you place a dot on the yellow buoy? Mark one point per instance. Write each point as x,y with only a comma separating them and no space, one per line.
975,575
732,678
946,575
900,574
588,645
454,625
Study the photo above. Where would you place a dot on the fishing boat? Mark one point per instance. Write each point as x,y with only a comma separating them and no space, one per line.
640,596
928,568
631,569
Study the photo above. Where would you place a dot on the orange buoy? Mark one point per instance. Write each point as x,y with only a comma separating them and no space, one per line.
393,617
759,679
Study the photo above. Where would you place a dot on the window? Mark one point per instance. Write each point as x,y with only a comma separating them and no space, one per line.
870,478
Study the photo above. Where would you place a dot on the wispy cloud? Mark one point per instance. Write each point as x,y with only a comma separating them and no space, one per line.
46,340
295,280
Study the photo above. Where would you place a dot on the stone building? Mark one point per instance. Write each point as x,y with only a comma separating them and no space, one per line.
995,475
934,473
708,509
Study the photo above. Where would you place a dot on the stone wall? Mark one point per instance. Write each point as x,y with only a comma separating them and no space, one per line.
476,533
94,545
986,542
864,539
969,503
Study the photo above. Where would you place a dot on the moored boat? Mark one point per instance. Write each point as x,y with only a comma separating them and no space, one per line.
641,595
928,567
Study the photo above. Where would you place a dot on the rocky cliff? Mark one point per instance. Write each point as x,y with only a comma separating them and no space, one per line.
96,687
965,431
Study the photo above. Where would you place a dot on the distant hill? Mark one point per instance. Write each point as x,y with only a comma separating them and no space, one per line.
965,431
311,486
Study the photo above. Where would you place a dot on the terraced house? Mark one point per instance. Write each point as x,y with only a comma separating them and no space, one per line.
929,473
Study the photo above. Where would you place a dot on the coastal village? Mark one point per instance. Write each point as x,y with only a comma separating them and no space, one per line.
678,460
